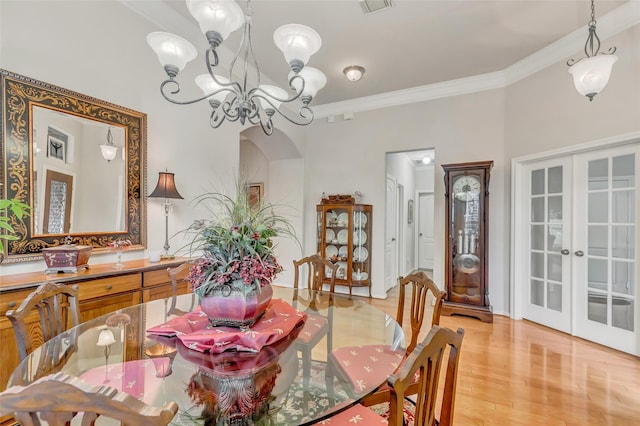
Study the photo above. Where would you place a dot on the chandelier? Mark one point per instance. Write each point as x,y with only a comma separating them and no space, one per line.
591,74
240,100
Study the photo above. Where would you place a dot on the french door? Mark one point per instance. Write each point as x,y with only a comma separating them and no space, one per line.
578,259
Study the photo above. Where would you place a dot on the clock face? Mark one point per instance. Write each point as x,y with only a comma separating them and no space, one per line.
466,187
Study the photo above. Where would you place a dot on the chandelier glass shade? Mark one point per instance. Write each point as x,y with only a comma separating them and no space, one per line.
245,99
591,74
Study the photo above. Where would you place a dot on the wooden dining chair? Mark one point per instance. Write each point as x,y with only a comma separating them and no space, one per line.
346,362
316,326
58,309
59,398
422,368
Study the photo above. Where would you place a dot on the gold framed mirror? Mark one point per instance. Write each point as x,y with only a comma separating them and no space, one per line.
50,131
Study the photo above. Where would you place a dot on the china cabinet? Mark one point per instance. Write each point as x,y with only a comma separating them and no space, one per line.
344,237
467,204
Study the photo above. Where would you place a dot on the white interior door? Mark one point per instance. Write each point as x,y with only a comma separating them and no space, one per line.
390,240
575,258
605,241
546,234
426,240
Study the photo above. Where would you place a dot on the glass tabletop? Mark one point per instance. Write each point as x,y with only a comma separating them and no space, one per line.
270,386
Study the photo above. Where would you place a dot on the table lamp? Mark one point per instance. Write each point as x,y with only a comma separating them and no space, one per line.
166,188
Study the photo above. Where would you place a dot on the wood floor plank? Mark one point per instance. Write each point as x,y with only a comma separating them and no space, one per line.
521,373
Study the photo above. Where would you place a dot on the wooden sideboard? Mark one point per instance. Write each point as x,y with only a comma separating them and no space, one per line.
102,289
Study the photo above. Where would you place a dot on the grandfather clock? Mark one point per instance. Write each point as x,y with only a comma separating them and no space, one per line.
467,203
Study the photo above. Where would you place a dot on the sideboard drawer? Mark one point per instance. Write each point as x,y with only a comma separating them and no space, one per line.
108,286
151,278
12,300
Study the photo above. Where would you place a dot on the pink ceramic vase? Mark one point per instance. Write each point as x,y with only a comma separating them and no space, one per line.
228,306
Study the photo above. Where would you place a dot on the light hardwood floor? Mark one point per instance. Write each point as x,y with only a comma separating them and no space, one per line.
521,373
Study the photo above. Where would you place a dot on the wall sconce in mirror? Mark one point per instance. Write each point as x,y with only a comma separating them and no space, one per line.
166,188
109,150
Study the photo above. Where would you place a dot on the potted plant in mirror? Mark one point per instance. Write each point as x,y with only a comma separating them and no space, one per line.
237,265
7,231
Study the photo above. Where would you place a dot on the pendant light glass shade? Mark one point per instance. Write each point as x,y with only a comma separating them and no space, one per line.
591,75
221,16
171,49
208,85
314,80
108,151
297,42
272,92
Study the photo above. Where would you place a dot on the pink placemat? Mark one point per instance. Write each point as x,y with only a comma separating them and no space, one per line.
194,332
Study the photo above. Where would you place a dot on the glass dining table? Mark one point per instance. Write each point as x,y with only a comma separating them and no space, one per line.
271,386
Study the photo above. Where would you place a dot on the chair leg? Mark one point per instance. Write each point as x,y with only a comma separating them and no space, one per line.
306,377
328,378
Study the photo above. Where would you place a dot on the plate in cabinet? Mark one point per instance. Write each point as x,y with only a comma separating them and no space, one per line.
360,254
331,251
359,237
343,236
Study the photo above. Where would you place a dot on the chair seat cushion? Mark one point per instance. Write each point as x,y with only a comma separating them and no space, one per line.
366,366
356,415
314,325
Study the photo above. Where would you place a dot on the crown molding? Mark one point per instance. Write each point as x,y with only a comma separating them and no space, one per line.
609,25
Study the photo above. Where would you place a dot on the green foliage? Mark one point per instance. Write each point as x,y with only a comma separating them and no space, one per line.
19,210
236,243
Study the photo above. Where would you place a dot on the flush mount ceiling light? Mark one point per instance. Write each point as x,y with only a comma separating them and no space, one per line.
245,99
426,159
591,74
354,72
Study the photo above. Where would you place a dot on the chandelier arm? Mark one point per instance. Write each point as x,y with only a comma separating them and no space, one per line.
257,92
211,52
299,92
592,41
305,112
177,90
267,127
216,118
231,112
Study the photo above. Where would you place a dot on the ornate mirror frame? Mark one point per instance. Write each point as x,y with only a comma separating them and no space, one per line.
19,95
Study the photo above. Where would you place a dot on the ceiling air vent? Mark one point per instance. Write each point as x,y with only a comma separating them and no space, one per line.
370,6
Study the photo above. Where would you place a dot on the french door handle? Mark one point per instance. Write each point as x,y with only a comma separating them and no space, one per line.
579,253
564,252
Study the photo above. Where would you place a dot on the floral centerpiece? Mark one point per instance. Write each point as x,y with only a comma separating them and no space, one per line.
237,259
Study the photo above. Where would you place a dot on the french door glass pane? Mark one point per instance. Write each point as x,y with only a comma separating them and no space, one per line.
555,180
598,237
555,207
597,308
598,174
597,273
554,297
598,207
537,237
537,293
623,241
537,182
622,315
623,170
624,206
623,277
537,265
554,238
554,267
537,210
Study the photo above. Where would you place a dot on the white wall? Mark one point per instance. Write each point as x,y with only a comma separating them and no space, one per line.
348,155
110,60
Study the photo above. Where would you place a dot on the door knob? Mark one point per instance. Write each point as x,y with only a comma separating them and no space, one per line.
393,239
579,253
564,252
420,234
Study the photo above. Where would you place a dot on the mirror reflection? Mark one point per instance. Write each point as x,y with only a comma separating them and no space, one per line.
77,189
80,162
